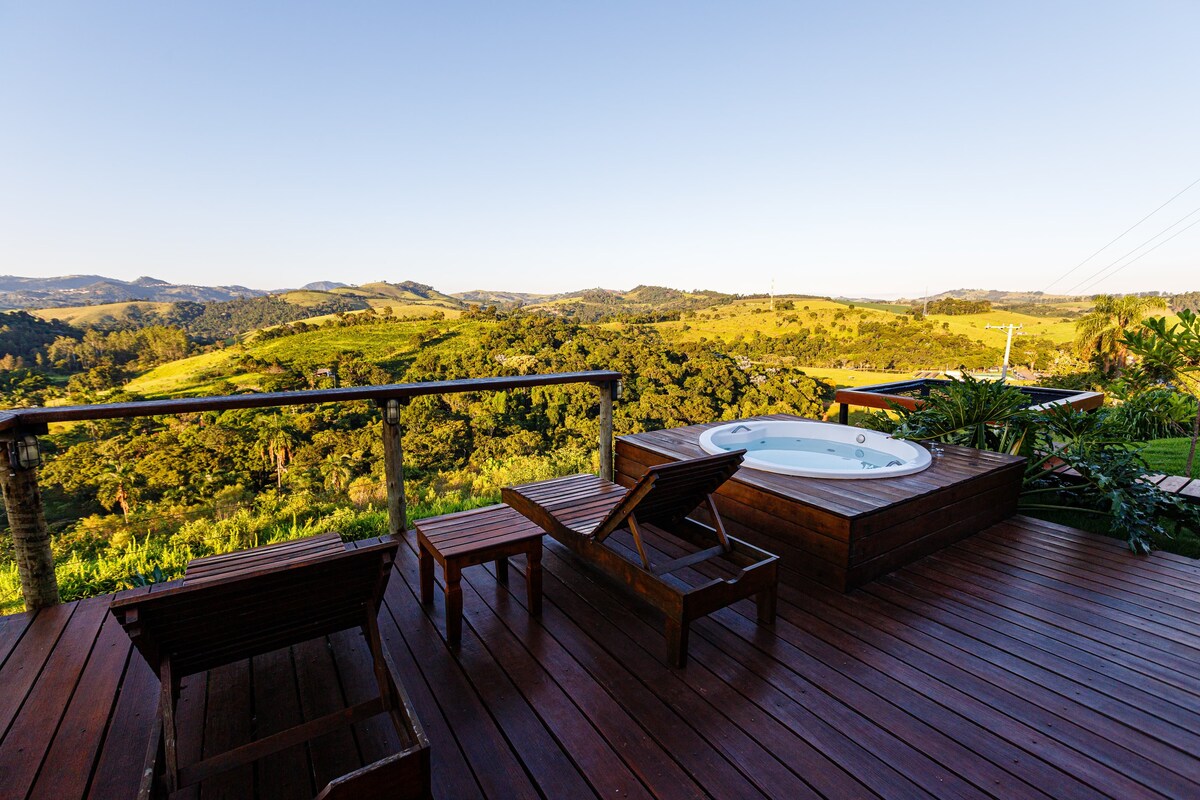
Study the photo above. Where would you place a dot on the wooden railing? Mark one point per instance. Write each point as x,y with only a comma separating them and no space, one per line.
19,429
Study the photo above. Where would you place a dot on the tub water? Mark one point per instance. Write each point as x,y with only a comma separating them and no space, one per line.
816,449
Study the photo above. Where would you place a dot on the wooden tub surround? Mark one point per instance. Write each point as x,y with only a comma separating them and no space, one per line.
844,533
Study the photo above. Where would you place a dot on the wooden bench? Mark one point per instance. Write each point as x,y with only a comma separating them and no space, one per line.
243,562
235,607
461,540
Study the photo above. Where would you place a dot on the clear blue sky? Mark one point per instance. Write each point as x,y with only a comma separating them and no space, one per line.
839,148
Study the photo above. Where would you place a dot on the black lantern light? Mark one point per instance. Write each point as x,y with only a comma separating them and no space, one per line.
25,452
391,411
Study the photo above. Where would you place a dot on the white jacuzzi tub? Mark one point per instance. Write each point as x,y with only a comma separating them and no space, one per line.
816,449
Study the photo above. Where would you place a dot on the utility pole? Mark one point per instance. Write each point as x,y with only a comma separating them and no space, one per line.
925,307
1007,345
772,294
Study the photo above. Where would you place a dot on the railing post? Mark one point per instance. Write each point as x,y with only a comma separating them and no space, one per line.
27,521
393,467
608,390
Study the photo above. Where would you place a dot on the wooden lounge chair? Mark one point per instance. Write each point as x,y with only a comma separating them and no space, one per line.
583,511
240,606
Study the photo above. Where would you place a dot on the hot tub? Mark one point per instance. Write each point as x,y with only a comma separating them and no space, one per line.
816,449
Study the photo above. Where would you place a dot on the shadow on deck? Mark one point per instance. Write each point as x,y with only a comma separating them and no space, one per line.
1030,660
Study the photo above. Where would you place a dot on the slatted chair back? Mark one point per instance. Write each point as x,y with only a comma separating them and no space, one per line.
200,626
667,493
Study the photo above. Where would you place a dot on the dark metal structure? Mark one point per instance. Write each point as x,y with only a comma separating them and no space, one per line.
910,394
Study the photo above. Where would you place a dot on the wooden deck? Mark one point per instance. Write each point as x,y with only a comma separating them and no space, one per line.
1030,660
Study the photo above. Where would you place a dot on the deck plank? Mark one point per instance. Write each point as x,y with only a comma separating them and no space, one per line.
723,716
27,657
228,724
12,628
593,755
77,742
32,731
287,773
671,730
334,753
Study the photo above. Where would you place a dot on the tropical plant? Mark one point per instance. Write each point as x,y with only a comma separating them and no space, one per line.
986,415
277,440
338,471
1174,352
1106,479
1160,413
1101,333
1105,473
117,486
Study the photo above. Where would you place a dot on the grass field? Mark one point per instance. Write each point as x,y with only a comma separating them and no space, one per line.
384,343
1169,456
425,310
306,298
192,375
94,315
745,317
891,308
842,378
975,326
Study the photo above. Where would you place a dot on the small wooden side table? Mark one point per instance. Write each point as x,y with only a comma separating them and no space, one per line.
474,537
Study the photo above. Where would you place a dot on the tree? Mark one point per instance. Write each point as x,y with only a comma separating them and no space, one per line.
277,438
117,486
1173,352
337,470
1101,333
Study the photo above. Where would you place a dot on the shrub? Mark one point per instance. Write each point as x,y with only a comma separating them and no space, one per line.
1154,414
1108,472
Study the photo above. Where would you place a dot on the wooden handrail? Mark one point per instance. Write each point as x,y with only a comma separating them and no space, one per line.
22,497
21,417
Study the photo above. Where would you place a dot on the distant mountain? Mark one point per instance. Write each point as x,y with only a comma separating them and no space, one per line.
485,297
14,283
641,303
1000,297
593,304
323,286
80,290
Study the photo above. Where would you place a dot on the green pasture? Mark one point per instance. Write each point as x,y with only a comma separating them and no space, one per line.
94,315
1169,456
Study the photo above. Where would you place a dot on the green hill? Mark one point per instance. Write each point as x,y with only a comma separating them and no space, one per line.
408,291
105,313
257,363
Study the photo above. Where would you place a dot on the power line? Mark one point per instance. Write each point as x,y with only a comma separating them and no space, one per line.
1118,238
1118,260
1148,252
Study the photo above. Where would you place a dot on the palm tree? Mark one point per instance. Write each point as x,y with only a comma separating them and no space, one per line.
338,471
117,487
1101,333
277,438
